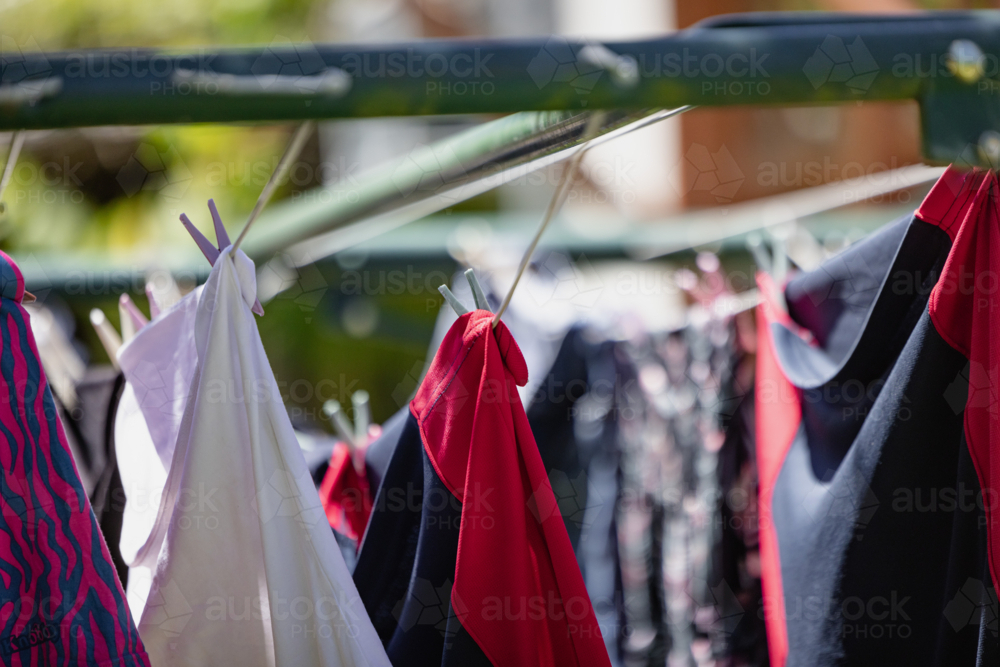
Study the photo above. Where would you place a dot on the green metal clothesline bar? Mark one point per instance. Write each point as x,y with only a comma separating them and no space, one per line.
770,59
428,179
947,62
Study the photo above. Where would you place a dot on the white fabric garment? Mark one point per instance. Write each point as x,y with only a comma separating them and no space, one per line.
248,572
158,364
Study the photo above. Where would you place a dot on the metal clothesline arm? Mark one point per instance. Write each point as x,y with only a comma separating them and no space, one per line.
428,179
945,61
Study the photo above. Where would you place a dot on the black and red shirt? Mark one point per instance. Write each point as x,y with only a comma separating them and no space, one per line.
878,443
464,562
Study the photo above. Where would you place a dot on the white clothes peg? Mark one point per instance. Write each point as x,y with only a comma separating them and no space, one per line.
804,250
355,436
106,333
478,295
779,252
452,300
771,266
341,423
162,291
755,244
362,416
61,361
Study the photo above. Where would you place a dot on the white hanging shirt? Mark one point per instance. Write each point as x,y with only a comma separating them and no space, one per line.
158,364
247,571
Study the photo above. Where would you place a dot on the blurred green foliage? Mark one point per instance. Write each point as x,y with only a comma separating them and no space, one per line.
56,202
74,24
75,212
79,191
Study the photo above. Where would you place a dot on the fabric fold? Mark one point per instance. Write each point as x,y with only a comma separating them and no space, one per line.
158,365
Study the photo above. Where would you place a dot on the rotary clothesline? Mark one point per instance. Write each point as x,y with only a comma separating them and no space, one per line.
448,443
944,61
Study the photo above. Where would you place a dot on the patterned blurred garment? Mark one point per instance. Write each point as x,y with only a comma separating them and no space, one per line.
60,599
673,413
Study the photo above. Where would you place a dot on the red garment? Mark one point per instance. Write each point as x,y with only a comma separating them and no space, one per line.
777,422
965,309
346,494
477,437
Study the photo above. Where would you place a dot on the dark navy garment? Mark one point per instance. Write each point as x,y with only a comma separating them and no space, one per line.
875,523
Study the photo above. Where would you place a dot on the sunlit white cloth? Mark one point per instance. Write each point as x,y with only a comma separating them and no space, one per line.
158,364
245,570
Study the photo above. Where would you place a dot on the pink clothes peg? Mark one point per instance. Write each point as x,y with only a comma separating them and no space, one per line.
210,251
154,306
132,318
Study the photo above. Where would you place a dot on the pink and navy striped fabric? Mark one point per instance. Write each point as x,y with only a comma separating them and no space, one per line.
60,599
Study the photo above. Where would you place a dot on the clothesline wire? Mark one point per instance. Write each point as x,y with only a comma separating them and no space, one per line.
16,141
291,153
558,199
